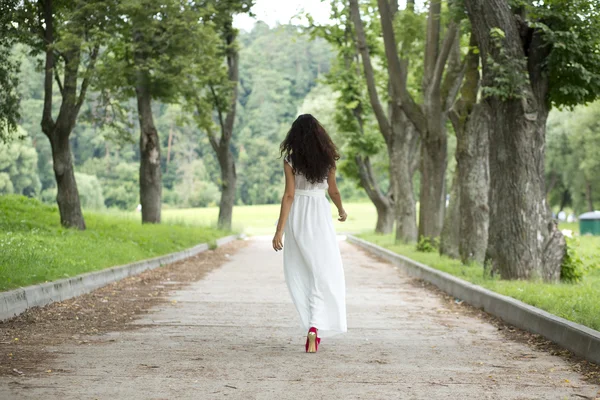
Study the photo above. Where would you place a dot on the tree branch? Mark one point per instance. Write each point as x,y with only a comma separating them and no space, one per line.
47,121
454,75
86,81
382,120
440,64
397,70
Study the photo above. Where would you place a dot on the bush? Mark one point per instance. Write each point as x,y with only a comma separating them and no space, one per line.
572,268
427,244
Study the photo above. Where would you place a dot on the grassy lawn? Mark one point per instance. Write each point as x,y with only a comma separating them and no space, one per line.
34,248
576,302
262,219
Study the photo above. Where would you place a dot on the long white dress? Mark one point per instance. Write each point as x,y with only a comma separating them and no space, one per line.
312,262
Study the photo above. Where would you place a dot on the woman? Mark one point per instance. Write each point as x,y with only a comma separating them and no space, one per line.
311,258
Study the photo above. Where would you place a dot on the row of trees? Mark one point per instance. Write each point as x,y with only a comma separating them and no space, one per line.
488,71
278,72
171,51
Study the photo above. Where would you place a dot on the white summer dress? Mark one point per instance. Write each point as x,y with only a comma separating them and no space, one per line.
312,262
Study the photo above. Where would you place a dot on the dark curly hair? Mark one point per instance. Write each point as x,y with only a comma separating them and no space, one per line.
310,149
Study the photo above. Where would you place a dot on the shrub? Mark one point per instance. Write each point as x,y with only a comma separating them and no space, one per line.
428,244
572,268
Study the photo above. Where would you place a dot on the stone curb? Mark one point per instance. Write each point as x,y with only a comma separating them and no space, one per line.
16,301
579,339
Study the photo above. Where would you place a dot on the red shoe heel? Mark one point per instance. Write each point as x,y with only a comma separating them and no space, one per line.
312,341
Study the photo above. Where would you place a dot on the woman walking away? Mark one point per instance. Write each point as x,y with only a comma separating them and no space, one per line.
312,262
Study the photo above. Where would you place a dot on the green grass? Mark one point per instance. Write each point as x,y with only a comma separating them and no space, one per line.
261,219
576,302
34,248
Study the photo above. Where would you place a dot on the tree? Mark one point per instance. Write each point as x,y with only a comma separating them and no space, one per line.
534,54
69,34
438,91
353,114
154,52
468,236
223,97
399,133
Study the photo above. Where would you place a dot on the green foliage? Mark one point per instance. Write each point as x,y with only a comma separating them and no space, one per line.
35,248
118,180
9,70
427,244
162,45
572,29
509,74
572,268
18,164
572,163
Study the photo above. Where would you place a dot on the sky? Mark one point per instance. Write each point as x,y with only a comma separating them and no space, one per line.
282,11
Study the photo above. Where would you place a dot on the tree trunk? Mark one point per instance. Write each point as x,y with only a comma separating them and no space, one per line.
433,186
473,170
385,219
524,242
400,150
67,196
450,237
383,203
58,131
150,172
228,183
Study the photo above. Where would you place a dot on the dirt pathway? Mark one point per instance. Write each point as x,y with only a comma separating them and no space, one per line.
233,334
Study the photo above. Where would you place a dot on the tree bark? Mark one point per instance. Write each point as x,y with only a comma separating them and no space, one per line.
470,121
228,183
401,150
473,170
524,242
150,171
67,196
450,237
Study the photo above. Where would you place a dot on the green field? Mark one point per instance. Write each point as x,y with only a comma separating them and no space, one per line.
262,219
34,247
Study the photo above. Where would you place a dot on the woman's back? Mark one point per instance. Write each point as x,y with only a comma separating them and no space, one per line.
301,183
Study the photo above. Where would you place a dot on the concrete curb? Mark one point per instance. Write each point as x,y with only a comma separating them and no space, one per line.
579,339
16,301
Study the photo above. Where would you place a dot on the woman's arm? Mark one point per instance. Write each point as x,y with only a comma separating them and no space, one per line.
335,195
286,204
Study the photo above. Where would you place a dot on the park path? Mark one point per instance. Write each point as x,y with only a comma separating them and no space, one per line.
234,335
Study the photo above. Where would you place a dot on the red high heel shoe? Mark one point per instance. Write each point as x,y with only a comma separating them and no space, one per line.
312,341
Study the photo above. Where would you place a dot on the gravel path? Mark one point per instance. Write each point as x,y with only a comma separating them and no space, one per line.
234,335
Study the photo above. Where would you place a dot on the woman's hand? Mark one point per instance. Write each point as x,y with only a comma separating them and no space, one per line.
343,215
278,241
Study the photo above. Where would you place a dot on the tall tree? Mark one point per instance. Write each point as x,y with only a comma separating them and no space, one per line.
69,34
397,130
352,112
469,198
223,98
534,54
438,91
155,48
